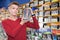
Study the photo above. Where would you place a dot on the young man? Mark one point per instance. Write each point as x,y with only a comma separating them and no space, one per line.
16,27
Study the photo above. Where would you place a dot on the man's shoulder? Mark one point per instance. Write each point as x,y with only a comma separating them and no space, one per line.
5,20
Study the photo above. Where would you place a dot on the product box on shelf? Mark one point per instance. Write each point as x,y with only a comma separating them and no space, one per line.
41,2
55,12
21,11
48,29
47,0
47,13
40,19
49,36
47,20
41,14
46,7
54,5
54,0
36,3
44,37
41,8
53,26
32,5
30,34
54,19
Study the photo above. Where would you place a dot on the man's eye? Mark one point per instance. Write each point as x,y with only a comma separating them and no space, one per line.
13,8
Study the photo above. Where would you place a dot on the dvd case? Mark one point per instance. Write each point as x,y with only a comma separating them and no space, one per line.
54,5
27,14
54,0
32,5
54,19
41,2
46,7
47,13
53,26
55,12
47,20
47,0
35,2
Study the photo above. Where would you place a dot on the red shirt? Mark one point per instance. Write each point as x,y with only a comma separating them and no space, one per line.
15,30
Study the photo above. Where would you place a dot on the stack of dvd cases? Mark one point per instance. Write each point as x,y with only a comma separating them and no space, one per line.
55,12
54,5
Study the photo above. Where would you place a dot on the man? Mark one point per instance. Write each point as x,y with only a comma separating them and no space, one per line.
16,27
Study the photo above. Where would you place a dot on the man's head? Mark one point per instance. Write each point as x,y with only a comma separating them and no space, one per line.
13,8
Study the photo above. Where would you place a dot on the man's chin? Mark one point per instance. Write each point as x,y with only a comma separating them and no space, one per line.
14,15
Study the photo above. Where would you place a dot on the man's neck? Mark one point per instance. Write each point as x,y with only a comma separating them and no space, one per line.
13,17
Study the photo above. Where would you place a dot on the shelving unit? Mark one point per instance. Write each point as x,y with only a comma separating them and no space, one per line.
48,18
48,15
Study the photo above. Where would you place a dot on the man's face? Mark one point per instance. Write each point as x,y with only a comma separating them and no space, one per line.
13,9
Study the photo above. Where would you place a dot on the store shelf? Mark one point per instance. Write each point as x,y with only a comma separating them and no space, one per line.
55,23
55,15
52,9
47,3
50,16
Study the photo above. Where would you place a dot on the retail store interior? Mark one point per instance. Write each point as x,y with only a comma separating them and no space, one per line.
47,12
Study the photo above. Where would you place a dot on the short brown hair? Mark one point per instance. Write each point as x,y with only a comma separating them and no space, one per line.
15,3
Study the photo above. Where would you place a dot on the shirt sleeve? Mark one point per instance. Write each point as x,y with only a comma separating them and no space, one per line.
33,24
11,32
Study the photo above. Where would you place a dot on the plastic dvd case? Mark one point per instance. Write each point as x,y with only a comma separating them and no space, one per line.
47,0
27,14
47,13
54,0
53,27
54,5
41,2
47,20
55,12
32,4
46,7
35,2
54,19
